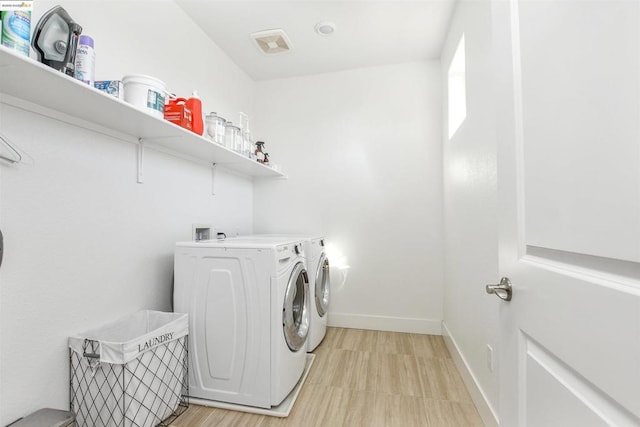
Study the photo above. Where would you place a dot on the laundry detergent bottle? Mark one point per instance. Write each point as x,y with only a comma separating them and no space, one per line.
194,104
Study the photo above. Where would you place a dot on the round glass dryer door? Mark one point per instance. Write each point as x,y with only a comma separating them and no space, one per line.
322,285
295,313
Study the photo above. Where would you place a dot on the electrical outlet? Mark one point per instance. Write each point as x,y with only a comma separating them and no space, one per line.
490,362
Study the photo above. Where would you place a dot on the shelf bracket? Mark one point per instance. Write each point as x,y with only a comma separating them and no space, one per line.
140,161
213,179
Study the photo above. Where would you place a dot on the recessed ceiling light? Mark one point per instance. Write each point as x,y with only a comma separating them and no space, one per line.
325,28
272,41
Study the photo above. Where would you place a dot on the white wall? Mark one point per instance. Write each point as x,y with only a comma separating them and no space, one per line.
84,243
362,150
470,208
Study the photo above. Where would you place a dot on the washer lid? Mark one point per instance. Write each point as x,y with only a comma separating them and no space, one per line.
241,242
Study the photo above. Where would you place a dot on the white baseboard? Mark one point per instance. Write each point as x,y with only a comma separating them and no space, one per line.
385,323
488,415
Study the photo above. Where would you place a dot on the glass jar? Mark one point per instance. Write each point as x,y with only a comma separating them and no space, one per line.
247,143
216,128
233,137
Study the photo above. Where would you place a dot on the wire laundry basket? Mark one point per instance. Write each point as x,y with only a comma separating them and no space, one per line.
131,373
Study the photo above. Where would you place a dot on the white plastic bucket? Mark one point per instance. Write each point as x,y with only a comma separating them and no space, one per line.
146,93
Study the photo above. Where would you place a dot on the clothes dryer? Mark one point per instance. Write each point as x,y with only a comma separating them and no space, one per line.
319,282
320,285
248,305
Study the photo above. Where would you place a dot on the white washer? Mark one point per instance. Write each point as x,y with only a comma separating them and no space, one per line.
248,305
319,282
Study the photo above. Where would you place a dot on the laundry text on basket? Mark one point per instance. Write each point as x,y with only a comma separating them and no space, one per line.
155,341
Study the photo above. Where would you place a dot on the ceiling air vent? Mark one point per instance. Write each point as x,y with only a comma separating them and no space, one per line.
272,41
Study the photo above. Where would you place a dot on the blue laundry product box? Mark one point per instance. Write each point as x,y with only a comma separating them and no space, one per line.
112,87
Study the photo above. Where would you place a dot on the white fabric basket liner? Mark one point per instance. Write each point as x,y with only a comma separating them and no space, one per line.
123,340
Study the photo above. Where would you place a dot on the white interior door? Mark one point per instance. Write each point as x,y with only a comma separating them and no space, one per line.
568,93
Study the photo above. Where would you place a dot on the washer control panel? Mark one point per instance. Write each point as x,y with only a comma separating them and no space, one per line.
290,250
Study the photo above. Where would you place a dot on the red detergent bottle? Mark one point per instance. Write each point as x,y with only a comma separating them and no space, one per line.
195,105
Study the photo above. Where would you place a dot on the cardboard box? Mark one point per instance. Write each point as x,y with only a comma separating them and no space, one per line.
112,87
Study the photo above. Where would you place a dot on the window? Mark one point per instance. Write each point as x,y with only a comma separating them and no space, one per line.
457,96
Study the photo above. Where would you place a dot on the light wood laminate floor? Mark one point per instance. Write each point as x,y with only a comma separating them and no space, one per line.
367,378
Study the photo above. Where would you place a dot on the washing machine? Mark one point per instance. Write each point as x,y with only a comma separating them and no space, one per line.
319,282
248,303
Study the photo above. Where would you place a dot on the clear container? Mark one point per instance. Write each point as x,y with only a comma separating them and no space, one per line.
215,126
233,137
243,122
247,143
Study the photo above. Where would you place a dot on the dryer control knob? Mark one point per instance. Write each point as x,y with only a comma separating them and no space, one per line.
297,249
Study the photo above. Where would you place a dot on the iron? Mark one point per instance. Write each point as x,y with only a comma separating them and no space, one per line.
55,39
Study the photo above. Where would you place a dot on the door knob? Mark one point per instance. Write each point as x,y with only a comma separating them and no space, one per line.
503,290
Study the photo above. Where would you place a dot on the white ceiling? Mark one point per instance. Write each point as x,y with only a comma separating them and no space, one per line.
368,32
